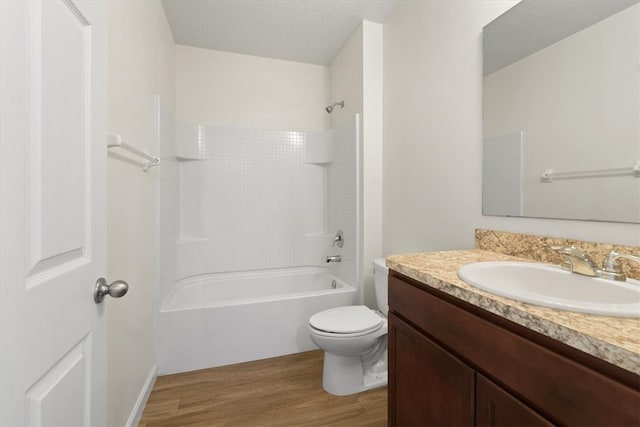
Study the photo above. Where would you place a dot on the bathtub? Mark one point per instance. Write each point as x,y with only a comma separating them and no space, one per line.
224,318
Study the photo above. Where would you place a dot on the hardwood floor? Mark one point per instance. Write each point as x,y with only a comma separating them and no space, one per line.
283,391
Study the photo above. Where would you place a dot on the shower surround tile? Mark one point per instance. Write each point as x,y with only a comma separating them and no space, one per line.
254,199
247,202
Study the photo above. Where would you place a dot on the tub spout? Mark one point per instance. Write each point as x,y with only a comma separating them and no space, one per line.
334,258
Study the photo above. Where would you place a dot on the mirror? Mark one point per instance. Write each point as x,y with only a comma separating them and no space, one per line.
561,111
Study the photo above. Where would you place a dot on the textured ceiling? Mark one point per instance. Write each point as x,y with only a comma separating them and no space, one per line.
532,25
311,31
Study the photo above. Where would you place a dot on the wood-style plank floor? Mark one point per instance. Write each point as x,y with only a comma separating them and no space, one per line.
283,391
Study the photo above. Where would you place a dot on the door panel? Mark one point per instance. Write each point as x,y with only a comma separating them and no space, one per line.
53,241
63,385
60,141
497,408
433,388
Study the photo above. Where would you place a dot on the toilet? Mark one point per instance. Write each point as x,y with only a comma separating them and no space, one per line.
354,340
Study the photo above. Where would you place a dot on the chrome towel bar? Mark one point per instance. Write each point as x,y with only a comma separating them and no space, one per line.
549,174
115,141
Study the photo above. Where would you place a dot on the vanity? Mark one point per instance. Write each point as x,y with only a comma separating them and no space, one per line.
459,355
462,356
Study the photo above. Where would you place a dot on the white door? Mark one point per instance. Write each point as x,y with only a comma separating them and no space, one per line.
52,212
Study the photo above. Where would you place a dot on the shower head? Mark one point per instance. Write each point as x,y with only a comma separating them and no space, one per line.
332,106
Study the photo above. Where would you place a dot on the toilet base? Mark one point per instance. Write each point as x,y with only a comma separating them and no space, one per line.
344,375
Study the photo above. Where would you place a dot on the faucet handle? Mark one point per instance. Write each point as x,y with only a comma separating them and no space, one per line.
612,267
338,240
615,255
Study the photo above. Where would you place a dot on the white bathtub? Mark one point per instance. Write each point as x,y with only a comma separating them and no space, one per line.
219,319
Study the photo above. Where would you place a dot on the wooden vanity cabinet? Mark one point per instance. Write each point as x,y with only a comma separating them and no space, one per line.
452,363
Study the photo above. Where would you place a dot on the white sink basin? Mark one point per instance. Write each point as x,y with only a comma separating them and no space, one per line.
550,286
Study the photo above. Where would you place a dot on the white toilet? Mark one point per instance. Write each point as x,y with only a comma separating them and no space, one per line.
354,340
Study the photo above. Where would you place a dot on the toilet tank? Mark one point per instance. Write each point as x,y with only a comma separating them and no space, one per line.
381,277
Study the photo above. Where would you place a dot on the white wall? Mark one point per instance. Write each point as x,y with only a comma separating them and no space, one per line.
346,72
356,79
229,89
141,65
346,80
433,134
371,211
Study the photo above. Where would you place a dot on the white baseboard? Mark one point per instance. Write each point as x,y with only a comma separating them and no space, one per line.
138,408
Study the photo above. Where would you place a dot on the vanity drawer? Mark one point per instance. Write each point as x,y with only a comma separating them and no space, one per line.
554,384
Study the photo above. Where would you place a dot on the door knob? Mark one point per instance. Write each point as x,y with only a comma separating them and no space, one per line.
116,289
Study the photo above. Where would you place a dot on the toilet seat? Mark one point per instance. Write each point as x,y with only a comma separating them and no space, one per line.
346,321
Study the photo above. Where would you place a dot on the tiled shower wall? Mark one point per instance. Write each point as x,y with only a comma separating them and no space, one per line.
249,203
246,199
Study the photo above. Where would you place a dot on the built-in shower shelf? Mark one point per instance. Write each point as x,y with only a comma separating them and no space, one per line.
319,148
326,162
190,141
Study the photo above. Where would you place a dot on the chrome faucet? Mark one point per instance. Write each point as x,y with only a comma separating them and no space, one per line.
578,261
334,258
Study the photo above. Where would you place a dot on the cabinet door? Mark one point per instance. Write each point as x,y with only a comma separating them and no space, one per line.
428,386
496,407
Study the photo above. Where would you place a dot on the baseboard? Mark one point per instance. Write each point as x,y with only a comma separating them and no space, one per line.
138,409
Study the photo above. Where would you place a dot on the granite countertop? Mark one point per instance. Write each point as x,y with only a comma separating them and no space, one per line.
613,339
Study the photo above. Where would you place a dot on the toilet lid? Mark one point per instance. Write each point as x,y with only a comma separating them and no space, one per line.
346,320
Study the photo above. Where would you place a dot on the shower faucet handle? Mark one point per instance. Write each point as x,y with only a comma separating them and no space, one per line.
338,240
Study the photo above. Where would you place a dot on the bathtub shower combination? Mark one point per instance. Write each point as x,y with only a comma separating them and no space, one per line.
247,221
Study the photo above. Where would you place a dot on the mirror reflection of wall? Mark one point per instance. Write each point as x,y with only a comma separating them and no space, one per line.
576,105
